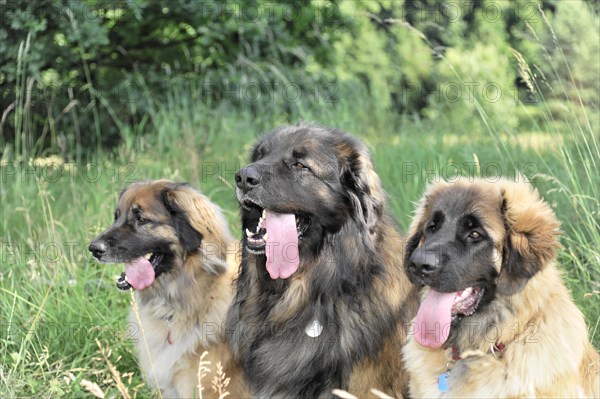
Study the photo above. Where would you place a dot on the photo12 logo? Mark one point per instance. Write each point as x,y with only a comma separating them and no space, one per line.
50,252
491,332
456,11
54,169
453,171
261,92
452,92
243,11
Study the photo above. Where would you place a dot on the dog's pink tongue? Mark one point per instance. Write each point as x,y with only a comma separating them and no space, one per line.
140,273
281,249
433,319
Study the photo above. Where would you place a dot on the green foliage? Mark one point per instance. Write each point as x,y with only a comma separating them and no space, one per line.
81,76
572,53
477,80
73,67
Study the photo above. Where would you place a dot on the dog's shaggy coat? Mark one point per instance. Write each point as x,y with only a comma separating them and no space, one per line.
349,276
182,312
526,338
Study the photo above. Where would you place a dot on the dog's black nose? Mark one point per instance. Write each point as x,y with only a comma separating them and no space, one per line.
424,262
247,178
97,248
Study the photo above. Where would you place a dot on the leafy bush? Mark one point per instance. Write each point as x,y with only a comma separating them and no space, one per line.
77,67
80,76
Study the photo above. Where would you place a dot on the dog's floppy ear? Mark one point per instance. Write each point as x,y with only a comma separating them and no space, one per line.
189,237
199,224
359,176
532,232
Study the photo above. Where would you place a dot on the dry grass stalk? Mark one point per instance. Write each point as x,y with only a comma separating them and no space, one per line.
380,394
343,394
134,306
203,371
220,382
524,71
92,388
116,376
346,395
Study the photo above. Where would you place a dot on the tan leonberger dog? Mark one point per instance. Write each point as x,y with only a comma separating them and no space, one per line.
496,320
179,257
322,300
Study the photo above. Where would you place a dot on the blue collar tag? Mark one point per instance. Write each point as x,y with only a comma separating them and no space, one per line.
443,382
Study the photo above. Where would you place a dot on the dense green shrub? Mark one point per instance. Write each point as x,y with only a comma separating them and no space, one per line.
99,62
79,76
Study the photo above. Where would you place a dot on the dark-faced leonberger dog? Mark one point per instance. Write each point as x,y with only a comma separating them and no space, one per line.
496,320
174,243
321,298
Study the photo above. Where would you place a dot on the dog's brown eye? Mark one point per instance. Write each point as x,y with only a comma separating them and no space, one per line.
299,165
474,235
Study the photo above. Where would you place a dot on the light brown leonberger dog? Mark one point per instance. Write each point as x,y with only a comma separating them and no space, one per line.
322,300
496,320
175,245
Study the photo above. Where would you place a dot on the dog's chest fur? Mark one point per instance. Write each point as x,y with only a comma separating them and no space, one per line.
171,338
546,351
160,342
343,289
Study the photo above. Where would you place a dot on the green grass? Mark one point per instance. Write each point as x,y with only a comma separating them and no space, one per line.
56,302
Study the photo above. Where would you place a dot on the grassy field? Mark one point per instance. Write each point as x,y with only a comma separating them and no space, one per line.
62,318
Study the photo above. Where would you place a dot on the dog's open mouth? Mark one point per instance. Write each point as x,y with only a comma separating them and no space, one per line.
466,301
439,309
140,272
257,237
276,235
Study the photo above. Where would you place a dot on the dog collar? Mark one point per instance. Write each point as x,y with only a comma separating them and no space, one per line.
497,350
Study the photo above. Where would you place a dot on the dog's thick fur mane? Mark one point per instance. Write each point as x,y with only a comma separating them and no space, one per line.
182,314
353,284
546,351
